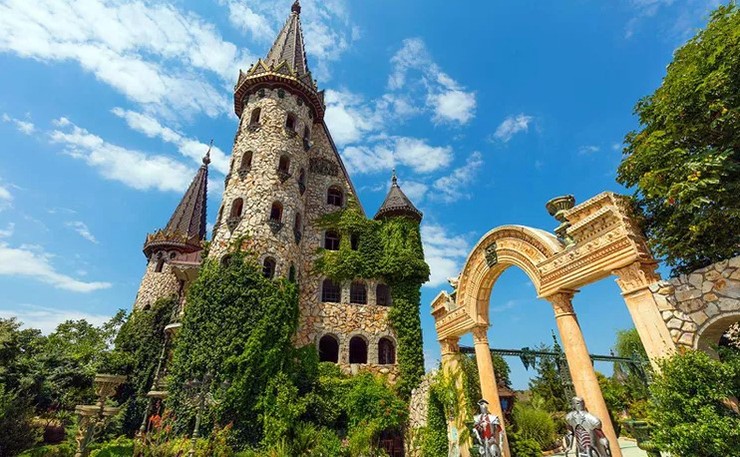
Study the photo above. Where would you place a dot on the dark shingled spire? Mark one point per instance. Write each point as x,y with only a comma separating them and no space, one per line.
397,204
288,46
187,227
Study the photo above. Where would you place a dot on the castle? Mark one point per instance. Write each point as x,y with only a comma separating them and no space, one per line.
285,174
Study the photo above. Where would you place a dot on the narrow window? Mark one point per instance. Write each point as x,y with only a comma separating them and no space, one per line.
276,213
246,161
357,350
331,240
386,352
284,164
382,295
302,181
331,292
291,273
290,122
306,134
268,267
237,207
354,241
328,349
334,196
160,266
298,225
358,293
255,119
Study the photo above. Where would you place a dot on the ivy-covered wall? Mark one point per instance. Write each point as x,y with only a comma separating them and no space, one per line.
389,250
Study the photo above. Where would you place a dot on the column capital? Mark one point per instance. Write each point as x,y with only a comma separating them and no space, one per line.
562,303
636,276
450,345
480,334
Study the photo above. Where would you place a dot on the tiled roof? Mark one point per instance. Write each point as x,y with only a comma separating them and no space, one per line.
398,204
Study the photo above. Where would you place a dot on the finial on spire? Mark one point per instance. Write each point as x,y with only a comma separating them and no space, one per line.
207,157
296,8
394,178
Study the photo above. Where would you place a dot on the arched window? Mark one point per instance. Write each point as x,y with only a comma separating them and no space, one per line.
386,352
276,212
357,350
328,349
331,240
334,196
302,181
268,267
354,241
246,161
358,293
255,118
291,273
290,122
284,164
160,266
237,207
331,292
382,295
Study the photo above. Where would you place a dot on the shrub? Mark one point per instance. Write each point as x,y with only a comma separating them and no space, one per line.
534,424
120,447
16,428
523,447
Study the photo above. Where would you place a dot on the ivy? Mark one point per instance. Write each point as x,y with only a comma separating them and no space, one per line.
390,250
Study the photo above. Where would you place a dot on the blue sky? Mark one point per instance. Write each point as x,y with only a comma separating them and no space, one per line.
487,110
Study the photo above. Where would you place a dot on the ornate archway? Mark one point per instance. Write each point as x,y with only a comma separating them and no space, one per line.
596,239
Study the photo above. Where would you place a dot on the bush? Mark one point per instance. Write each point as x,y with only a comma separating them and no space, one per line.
534,424
523,447
17,431
120,447
689,407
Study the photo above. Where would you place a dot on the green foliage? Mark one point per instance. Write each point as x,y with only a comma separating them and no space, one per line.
120,447
689,407
57,450
549,386
138,346
502,370
434,437
534,424
523,447
685,158
239,327
17,431
390,249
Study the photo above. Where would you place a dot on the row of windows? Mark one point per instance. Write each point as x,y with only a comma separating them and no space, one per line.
329,350
332,239
276,211
331,292
291,122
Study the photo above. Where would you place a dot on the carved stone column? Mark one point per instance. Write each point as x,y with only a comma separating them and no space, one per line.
634,281
580,365
488,385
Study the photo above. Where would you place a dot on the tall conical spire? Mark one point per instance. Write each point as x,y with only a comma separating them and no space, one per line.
186,228
285,65
397,203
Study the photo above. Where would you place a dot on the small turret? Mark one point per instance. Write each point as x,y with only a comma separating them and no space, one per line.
397,204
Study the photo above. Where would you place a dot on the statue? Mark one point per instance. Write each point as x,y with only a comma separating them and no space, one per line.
488,432
584,431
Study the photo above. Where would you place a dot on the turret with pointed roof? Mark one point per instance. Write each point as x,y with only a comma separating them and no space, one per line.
285,66
397,204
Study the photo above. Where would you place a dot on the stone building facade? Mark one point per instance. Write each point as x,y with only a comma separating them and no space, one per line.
285,174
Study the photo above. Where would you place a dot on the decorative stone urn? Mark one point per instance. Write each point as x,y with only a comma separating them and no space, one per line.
93,418
557,208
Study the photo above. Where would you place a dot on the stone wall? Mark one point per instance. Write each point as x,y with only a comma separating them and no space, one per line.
418,410
700,306
156,285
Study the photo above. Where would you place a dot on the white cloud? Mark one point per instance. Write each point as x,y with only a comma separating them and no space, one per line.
24,127
676,23
443,252
188,147
348,117
414,190
8,231
153,53
132,168
415,70
588,149
6,198
47,319
33,262
244,18
389,152
511,126
83,230
451,188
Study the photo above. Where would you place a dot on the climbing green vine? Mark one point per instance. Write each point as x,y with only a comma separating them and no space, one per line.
389,250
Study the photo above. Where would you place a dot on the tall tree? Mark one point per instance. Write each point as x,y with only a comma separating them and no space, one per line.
684,160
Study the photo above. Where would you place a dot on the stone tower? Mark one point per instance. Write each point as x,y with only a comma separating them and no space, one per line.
173,253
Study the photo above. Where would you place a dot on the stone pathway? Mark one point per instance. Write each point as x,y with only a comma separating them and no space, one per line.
629,449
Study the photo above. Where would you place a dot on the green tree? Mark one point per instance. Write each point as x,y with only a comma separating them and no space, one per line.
690,409
685,158
549,384
632,378
17,432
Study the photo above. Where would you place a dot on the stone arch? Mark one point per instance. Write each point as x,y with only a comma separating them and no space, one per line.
328,347
358,348
708,335
499,249
386,350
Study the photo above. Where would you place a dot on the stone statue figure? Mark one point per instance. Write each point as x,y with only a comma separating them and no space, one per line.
488,432
453,442
584,433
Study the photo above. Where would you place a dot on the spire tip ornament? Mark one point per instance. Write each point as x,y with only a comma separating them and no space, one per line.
207,157
296,8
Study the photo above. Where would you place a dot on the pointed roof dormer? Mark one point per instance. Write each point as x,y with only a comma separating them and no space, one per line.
285,66
397,204
186,229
